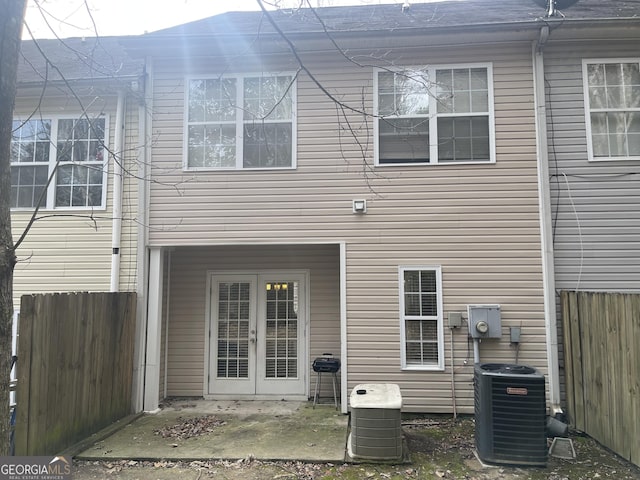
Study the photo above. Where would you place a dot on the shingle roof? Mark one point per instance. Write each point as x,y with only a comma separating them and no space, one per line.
75,59
105,57
447,13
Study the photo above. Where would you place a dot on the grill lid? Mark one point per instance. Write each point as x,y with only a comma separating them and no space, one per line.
326,364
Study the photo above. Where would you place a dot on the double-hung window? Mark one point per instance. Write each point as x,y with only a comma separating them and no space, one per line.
245,122
72,150
421,318
612,108
434,115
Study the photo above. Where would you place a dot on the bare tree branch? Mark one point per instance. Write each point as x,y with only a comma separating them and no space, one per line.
302,64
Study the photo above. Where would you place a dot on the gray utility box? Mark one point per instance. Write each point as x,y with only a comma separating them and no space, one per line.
376,428
484,321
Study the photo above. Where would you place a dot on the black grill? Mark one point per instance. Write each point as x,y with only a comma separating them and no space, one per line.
326,364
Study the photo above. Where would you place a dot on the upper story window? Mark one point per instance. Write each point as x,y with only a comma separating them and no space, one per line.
421,319
612,108
434,115
72,150
240,123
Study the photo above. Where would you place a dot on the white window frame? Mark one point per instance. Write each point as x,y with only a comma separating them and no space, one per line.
439,318
52,164
587,106
434,115
240,121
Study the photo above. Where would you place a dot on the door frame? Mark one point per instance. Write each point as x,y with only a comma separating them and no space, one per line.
211,275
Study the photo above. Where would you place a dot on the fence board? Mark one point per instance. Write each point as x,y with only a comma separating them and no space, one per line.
23,414
568,359
634,377
574,337
76,366
602,360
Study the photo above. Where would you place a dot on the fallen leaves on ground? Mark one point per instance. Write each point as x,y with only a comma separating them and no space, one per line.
440,448
190,427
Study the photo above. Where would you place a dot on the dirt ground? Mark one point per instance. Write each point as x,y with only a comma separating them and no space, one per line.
439,448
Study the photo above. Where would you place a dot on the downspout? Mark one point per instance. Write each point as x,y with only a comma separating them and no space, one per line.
118,178
546,231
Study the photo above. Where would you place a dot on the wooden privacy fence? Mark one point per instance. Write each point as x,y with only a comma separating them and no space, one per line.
602,363
75,367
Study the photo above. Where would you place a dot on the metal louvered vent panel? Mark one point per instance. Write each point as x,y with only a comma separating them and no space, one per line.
510,415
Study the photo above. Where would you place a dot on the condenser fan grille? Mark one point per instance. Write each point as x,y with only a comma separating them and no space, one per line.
510,413
518,420
508,368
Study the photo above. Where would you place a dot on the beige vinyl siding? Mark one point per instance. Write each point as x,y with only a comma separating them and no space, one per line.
374,328
314,201
479,222
70,250
189,328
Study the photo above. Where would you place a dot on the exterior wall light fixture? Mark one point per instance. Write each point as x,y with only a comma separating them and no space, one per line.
359,206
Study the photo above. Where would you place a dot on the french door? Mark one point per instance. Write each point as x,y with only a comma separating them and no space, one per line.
257,332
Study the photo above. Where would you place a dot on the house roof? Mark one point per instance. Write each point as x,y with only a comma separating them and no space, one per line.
105,58
443,14
75,59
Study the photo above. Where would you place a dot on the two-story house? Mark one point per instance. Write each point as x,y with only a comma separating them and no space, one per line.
341,180
346,180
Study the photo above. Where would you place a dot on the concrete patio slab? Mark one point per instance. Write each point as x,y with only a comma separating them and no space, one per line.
275,430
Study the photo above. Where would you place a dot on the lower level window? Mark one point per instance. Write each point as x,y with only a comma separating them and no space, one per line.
421,318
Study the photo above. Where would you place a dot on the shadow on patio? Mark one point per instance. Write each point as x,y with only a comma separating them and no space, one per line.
189,429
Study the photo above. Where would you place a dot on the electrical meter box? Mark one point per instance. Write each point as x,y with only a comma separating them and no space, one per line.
484,321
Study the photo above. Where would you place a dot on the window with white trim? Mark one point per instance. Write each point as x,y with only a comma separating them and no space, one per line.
434,115
612,108
70,149
421,318
240,123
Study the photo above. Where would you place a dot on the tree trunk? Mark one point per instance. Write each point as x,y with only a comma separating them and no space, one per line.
10,31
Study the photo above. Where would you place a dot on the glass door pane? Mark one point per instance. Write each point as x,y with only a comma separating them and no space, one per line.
281,329
233,329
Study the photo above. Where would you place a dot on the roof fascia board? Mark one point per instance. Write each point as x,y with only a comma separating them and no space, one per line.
612,31
149,43
432,30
